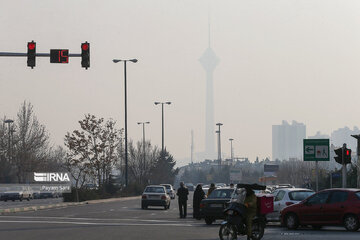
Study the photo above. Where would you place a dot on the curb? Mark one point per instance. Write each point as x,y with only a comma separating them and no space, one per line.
67,204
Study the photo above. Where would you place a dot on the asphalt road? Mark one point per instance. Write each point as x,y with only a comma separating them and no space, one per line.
124,219
32,202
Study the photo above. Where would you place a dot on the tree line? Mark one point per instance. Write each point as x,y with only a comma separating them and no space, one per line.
93,154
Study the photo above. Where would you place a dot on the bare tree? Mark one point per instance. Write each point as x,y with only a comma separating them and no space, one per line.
30,143
139,165
92,150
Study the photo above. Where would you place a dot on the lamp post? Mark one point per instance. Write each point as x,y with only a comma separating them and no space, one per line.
231,148
9,121
162,122
143,127
126,151
219,143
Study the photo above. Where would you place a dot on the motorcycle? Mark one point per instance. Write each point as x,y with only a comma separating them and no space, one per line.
235,213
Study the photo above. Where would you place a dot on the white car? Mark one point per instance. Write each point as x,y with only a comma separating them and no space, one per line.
284,197
155,195
169,190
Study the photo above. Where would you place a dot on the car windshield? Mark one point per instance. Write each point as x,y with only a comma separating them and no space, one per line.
155,190
300,195
221,193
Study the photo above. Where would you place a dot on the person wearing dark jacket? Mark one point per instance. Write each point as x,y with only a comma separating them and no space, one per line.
182,194
198,196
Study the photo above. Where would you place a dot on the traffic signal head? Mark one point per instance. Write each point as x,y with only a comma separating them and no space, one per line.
31,54
347,156
85,55
338,158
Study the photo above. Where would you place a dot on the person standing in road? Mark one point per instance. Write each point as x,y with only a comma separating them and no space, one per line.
198,196
212,188
182,194
251,204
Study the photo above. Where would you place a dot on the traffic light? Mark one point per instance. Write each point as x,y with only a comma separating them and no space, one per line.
31,54
85,55
338,158
347,156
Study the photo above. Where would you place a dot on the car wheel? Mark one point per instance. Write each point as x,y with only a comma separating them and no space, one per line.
316,227
351,223
291,221
208,220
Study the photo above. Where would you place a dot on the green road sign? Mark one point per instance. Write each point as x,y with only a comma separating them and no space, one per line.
316,150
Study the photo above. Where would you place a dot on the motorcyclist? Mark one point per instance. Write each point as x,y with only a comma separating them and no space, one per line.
250,203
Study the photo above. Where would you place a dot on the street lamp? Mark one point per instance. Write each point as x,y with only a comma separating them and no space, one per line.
143,125
162,122
219,143
9,121
126,151
231,148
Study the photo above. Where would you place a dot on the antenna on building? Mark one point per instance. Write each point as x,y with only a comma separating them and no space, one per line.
192,147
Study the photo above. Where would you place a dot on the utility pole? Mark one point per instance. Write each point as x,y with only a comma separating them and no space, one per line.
126,131
144,143
219,143
358,159
192,147
343,166
231,149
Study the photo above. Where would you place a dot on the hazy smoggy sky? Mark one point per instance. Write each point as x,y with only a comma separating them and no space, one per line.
279,60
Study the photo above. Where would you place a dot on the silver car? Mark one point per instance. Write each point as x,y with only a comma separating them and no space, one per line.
155,195
284,197
169,190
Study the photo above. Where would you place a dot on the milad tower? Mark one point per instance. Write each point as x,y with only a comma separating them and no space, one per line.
209,61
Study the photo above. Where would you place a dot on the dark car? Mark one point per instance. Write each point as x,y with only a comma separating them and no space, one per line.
213,207
331,207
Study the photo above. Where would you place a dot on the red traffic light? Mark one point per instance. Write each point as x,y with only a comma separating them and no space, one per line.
85,46
31,45
347,152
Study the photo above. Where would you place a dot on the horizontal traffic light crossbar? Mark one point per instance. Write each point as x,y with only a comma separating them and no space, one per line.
56,55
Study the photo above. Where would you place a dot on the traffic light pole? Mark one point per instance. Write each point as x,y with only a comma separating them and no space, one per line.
358,159
343,166
317,175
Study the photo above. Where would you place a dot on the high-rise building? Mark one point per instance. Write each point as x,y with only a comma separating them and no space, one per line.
343,135
287,140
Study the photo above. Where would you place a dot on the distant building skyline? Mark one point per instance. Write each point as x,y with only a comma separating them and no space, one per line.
287,140
343,135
